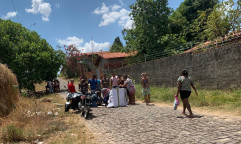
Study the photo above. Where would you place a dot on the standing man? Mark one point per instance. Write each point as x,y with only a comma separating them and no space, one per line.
71,86
105,82
114,82
50,86
93,83
83,86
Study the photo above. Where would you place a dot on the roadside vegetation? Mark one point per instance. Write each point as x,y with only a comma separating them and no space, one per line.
225,100
159,31
9,93
29,56
42,119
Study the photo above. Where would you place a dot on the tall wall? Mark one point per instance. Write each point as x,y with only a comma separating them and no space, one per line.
218,68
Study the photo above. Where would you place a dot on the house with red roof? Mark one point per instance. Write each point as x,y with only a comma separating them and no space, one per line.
97,62
107,60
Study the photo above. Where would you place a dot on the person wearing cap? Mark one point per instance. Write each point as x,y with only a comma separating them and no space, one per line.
184,88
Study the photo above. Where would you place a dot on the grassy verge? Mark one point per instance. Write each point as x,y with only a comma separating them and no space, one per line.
43,119
228,100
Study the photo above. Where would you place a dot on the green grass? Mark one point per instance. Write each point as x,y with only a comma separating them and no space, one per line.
12,133
221,99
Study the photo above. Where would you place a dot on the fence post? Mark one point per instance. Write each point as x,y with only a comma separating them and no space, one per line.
145,57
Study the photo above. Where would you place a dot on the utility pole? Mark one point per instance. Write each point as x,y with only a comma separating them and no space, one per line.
91,42
31,25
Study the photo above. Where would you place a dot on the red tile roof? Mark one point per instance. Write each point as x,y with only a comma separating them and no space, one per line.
235,35
114,55
109,55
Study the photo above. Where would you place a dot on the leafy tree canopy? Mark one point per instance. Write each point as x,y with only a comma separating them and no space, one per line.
117,46
30,57
151,23
225,17
183,19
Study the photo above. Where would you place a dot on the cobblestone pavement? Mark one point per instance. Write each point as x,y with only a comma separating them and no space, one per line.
157,124
141,124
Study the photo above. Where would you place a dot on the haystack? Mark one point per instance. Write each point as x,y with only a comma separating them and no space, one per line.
9,93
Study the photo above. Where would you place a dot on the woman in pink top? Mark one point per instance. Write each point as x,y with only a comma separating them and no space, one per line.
114,82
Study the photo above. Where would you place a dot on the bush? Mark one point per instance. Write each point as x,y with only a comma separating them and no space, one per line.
12,134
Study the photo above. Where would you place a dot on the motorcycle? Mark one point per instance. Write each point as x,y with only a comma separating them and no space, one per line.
85,105
90,99
73,101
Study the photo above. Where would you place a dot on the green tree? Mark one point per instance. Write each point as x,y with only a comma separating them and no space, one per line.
224,18
184,18
117,46
199,25
31,58
151,23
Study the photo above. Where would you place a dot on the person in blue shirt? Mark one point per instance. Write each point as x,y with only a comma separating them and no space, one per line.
98,85
93,83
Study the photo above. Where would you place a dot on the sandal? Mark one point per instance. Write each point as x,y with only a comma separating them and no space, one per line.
184,114
190,116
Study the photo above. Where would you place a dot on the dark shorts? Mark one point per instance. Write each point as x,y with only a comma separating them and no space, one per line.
184,94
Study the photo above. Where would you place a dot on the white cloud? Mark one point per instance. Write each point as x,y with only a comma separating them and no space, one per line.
57,5
93,46
38,6
114,13
101,10
71,40
10,15
87,47
115,7
121,2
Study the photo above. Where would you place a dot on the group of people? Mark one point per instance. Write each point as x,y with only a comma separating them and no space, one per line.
105,84
53,86
122,81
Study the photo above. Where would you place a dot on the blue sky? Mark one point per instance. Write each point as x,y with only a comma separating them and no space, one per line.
64,22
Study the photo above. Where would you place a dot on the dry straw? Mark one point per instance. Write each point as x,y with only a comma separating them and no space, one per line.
9,93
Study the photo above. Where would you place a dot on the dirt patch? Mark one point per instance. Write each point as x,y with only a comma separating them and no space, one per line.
43,120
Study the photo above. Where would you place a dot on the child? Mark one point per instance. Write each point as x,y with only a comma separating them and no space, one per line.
145,82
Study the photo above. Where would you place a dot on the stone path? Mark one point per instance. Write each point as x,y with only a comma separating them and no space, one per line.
158,124
155,124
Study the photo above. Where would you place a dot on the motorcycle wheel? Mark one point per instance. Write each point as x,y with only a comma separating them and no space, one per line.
86,112
66,108
88,107
79,106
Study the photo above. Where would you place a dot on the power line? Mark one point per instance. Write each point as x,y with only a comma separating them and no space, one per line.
15,10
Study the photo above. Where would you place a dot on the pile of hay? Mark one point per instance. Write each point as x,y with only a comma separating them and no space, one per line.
9,92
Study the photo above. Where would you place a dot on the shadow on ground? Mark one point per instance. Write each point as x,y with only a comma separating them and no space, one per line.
195,116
